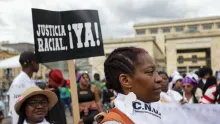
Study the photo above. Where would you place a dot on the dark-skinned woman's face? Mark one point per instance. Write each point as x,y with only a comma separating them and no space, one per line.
146,82
164,83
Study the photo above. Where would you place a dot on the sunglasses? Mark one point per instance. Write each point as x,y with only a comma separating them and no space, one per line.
186,86
35,103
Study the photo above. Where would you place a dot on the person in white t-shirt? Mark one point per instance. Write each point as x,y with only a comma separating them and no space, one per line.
167,95
22,81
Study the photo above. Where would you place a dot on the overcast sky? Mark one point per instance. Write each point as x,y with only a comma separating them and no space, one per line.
117,16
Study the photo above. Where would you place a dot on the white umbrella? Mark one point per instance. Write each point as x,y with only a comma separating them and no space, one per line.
12,62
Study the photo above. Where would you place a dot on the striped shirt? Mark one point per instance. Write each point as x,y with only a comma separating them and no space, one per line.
209,95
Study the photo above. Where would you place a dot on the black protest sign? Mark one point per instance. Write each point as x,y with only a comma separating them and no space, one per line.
66,35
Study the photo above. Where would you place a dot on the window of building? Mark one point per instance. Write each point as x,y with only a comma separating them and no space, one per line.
218,25
153,31
180,59
140,31
207,27
193,68
194,59
166,30
182,70
193,27
179,29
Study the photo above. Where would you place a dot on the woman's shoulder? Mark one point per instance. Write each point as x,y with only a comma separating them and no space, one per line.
93,88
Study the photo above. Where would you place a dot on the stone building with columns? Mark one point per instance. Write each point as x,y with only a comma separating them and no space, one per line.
188,44
184,45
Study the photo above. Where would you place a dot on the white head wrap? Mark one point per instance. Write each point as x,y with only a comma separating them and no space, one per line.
175,76
192,75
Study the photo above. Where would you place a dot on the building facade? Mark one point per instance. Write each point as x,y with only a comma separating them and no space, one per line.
187,44
184,45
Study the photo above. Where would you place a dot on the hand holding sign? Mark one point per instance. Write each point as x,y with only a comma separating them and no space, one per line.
64,36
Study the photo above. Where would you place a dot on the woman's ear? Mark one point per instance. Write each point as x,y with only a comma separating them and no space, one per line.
125,80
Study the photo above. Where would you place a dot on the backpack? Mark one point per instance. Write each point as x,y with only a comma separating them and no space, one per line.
217,95
113,115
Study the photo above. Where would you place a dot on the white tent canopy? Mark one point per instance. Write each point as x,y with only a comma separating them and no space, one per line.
12,62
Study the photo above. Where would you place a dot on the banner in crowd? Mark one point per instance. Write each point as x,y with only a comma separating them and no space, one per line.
66,35
190,114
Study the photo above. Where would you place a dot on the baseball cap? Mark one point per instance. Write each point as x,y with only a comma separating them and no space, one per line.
26,57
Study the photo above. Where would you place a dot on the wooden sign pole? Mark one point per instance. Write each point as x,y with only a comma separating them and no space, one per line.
74,95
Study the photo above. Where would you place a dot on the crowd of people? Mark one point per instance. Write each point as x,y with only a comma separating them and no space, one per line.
93,96
194,88
131,77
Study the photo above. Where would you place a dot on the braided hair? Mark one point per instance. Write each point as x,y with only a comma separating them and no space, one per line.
121,60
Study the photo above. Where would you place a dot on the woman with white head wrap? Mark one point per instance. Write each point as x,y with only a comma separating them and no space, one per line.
168,95
175,83
173,76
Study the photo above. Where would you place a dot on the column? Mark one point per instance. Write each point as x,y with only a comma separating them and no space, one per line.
171,56
215,56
